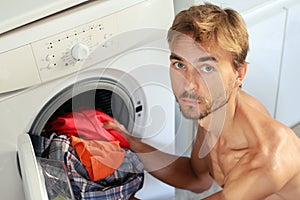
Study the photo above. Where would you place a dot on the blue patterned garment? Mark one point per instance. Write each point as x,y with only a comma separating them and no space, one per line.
122,184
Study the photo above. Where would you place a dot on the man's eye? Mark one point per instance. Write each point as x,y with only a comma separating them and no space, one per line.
207,69
179,65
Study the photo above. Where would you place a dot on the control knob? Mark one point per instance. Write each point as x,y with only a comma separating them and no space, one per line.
80,52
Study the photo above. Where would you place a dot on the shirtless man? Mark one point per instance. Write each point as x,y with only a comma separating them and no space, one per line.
238,144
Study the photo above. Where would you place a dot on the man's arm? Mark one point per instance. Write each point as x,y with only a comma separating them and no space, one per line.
173,170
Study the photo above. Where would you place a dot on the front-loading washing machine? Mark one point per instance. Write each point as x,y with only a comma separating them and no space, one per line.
104,53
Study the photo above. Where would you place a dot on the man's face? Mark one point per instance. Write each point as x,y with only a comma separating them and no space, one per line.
202,81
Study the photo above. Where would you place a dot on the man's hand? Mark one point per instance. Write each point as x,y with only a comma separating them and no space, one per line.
115,125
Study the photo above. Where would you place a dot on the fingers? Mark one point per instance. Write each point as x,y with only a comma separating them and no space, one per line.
109,125
114,125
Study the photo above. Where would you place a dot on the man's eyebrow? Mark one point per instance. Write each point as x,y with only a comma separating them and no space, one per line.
201,59
207,58
176,57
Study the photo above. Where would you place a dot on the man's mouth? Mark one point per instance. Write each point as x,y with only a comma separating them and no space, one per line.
190,101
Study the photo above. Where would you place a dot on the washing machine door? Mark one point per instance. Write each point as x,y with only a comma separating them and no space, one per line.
34,187
43,179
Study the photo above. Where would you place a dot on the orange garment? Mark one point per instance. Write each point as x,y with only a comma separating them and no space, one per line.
100,158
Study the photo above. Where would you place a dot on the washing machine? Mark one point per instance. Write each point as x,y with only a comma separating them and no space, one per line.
105,53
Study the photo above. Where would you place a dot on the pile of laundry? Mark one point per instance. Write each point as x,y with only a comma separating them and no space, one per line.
99,163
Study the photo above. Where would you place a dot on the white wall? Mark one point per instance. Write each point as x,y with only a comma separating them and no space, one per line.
266,37
273,73
288,107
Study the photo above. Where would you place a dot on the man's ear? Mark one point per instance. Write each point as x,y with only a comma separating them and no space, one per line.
241,73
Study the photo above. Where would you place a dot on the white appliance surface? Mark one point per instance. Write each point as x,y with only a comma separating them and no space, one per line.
240,6
16,13
99,39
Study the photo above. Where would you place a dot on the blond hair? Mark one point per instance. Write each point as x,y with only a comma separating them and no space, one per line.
209,24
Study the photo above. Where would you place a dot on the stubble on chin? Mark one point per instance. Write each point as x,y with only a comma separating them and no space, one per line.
194,112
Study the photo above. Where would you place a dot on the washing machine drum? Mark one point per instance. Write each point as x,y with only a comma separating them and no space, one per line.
105,95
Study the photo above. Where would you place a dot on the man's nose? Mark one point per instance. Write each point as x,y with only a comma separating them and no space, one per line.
192,78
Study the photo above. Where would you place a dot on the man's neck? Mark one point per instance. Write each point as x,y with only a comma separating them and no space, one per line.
216,124
222,118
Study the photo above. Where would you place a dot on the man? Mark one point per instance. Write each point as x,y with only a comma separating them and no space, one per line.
238,144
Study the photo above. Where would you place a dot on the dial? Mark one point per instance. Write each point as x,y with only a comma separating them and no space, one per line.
80,52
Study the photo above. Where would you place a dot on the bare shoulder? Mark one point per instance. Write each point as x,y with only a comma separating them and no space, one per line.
277,144
266,175
277,159
274,151
271,168
254,103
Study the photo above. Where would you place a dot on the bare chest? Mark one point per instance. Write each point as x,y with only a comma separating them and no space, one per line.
223,162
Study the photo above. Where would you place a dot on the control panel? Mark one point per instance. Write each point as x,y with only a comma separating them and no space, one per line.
70,51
